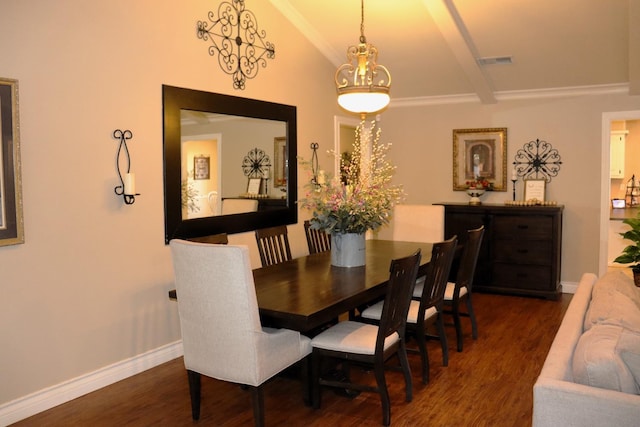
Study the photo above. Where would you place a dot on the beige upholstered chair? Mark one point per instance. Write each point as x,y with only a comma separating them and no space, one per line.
461,290
235,206
273,245
428,309
317,240
418,223
369,344
221,330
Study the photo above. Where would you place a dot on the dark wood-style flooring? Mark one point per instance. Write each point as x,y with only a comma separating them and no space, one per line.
488,384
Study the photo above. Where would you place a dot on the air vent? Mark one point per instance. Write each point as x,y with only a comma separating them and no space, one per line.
491,60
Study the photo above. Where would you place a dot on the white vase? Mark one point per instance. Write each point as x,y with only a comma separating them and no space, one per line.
348,250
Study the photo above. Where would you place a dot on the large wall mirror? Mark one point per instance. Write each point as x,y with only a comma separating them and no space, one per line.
229,163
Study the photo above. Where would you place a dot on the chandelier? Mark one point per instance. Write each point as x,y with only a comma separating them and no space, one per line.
360,88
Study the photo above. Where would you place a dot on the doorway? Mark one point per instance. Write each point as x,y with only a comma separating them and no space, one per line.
605,187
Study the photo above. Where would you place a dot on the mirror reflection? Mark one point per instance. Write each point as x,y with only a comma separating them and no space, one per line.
225,159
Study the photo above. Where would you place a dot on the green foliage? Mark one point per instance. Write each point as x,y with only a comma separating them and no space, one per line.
631,254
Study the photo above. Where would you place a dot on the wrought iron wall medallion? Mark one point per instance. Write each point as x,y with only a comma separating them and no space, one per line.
235,37
537,160
255,163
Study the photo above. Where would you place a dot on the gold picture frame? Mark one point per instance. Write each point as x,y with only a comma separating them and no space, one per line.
11,219
280,161
480,153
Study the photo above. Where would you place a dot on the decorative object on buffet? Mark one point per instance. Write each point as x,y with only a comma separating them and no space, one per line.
361,199
476,188
480,154
255,166
632,194
360,87
127,187
536,162
235,37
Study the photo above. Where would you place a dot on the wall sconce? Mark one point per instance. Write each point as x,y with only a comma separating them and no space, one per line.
127,187
318,178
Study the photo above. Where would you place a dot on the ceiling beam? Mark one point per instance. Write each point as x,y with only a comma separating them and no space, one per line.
448,20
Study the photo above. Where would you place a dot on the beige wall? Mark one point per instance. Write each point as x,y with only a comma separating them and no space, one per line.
88,288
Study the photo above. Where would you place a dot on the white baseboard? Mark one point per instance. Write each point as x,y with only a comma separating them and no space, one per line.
569,287
42,400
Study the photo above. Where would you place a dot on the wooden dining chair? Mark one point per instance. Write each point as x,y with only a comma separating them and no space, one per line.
273,245
461,290
368,344
317,240
217,239
222,336
427,310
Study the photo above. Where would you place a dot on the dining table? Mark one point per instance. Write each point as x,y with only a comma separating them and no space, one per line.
308,292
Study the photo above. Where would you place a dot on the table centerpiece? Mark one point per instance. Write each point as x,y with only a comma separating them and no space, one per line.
360,198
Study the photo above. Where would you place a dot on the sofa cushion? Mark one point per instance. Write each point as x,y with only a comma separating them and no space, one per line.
600,359
612,303
618,281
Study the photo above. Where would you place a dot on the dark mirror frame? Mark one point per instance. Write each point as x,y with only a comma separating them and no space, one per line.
175,99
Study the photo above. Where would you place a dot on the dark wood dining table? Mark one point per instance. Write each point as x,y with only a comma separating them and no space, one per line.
308,292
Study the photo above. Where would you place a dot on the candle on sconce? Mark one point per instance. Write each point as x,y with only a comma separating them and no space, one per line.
265,173
321,178
514,175
130,184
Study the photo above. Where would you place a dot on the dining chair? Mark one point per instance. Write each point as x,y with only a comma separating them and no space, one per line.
317,240
273,245
427,310
461,289
222,336
216,239
368,344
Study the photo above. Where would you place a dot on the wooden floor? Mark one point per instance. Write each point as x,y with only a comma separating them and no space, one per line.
488,384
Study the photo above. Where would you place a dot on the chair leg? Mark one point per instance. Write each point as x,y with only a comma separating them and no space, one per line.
443,340
472,316
455,312
424,355
305,376
194,392
258,405
316,395
384,393
406,370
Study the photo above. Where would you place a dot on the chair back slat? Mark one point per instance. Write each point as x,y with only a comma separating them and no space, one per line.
317,240
469,259
435,283
273,245
403,273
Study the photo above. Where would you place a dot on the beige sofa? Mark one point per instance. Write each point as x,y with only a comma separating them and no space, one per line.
591,375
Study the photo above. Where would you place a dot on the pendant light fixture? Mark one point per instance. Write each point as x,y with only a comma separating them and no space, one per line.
362,83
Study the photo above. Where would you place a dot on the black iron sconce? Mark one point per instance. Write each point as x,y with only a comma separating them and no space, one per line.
127,187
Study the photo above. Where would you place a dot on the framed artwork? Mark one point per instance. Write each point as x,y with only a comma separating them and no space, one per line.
280,161
534,189
480,154
254,185
11,220
201,167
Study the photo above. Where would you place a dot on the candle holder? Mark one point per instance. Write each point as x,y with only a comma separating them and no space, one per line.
126,189
514,188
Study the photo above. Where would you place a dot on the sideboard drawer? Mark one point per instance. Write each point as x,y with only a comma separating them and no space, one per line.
520,227
535,277
524,251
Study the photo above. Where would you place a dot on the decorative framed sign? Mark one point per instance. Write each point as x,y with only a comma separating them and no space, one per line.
201,167
480,154
280,161
534,189
254,185
11,220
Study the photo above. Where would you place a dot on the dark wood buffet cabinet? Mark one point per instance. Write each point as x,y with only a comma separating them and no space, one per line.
521,248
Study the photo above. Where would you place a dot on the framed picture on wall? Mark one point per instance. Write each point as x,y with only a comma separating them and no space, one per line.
11,220
480,154
201,167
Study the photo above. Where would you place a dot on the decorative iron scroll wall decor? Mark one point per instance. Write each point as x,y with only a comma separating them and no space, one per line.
537,160
235,37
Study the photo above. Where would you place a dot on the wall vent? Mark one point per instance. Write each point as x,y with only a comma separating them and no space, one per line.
491,60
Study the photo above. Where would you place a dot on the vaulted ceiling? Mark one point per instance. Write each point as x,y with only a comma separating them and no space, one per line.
433,47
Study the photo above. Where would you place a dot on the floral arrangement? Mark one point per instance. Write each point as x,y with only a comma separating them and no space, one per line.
480,183
362,197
